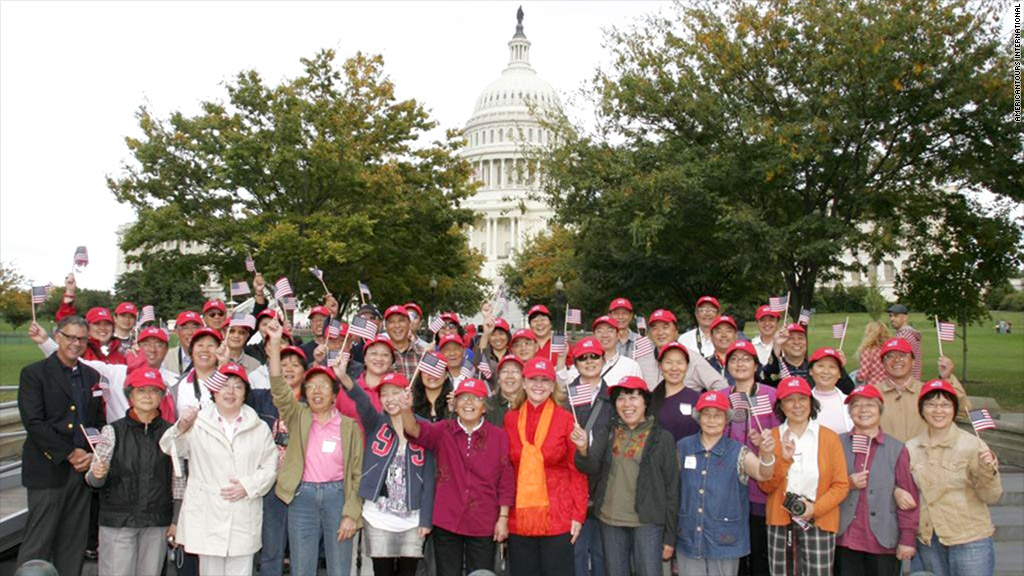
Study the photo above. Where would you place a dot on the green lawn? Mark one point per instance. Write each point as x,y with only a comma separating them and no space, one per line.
995,361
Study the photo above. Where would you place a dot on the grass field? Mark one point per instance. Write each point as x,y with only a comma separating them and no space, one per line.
996,361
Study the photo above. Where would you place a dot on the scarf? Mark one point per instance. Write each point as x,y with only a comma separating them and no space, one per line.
531,484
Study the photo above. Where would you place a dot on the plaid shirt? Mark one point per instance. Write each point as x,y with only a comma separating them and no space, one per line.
871,371
406,362
914,337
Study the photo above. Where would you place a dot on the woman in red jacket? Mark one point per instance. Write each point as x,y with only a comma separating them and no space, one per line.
551,494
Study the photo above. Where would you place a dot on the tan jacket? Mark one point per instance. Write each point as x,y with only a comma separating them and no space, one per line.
900,418
955,487
298,418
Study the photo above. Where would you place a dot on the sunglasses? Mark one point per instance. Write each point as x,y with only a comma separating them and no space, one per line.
588,357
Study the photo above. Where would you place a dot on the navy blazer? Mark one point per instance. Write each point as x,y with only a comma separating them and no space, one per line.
47,412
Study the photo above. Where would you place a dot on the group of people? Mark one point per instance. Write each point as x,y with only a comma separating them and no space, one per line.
496,449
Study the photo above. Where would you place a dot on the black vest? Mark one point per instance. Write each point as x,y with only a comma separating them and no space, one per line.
137,493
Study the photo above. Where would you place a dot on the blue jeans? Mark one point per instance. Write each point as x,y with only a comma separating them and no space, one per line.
315,512
275,535
588,547
976,558
642,544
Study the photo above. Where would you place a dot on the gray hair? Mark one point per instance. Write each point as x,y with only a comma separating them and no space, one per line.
72,321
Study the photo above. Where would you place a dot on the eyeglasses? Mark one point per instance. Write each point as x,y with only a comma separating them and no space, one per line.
318,386
588,357
215,313
75,339
741,359
932,405
452,325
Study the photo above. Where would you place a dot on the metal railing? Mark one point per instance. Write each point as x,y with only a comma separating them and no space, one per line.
12,523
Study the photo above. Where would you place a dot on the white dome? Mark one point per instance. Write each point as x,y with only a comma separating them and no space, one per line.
517,87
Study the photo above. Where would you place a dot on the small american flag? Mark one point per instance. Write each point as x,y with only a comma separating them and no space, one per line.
575,316
431,364
739,401
760,406
332,330
861,443
283,288
783,369
81,256
558,344
250,264
805,317
93,437
240,288
148,314
947,331
643,347
582,394
289,303
485,368
365,291
317,272
468,371
436,323
838,330
641,324
216,381
363,328
982,420
778,303
40,293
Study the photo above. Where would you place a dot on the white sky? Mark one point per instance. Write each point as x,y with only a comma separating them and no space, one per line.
73,74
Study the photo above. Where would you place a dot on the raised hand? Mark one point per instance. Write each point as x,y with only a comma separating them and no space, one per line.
70,285
946,366
37,333
780,338
579,438
258,284
767,443
788,446
319,353
223,354
274,330
332,304
187,418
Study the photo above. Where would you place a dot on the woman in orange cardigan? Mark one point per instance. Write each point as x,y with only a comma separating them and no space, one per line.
807,486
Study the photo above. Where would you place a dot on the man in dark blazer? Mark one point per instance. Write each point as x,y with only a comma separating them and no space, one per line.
57,398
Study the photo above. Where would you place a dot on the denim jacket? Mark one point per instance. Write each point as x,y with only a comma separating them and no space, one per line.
714,504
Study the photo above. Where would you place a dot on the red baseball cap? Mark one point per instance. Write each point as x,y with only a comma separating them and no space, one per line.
294,350
605,320
510,358
145,377
742,346
450,339
126,308
934,385
451,317
539,367
714,399
234,369
395,379
321,310
631,383
471,386
795,327
415,307
153,332
215,305
867,391
381,339
673,346
523,333
320,370
723,320
620,303
827,352
188,316
204,331
661,315
266,313
396,309
588,345
793,385
708,300
95,315
502,324
537,309
897,345
765,310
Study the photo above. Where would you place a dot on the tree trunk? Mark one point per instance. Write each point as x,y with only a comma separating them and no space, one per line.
964,324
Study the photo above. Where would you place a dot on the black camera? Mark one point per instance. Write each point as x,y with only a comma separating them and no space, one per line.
281,439
794,505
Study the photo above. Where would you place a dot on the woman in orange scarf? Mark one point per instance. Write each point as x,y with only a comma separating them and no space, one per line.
551,494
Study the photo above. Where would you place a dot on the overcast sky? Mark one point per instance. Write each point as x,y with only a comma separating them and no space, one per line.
73,74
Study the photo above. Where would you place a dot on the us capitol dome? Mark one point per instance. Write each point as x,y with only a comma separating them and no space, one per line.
503,128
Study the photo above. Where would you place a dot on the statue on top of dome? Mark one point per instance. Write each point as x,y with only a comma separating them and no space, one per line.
519,16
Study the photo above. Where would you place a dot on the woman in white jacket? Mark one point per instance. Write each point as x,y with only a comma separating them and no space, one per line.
232,465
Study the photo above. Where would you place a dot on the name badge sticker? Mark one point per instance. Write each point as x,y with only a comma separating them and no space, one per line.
686,409
690,462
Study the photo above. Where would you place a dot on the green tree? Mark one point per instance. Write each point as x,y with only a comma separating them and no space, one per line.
955,260
874,301
11,284
84,300
321,170
168,280
746,144
16,308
